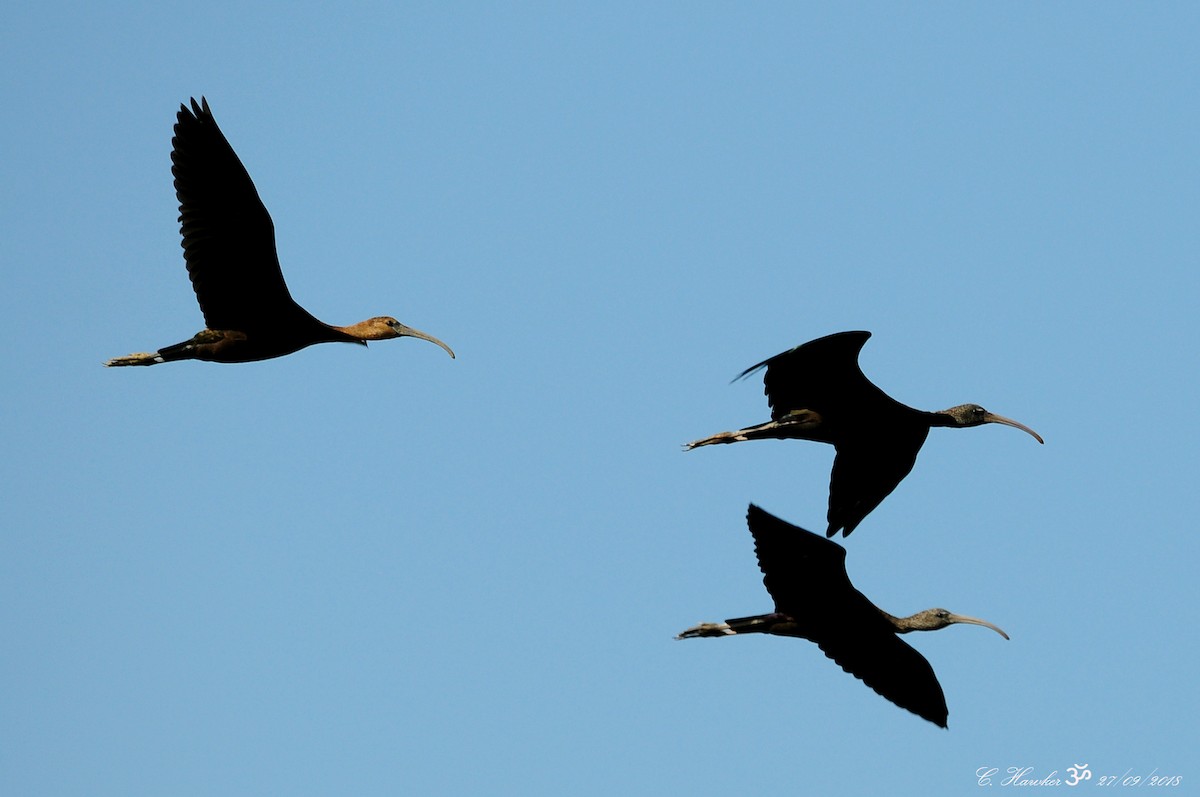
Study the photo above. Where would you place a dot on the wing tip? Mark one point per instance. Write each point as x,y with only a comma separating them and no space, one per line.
857,338
198,111
759,518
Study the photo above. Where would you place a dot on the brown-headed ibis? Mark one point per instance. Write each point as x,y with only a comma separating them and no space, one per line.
818,392
229,247
814,600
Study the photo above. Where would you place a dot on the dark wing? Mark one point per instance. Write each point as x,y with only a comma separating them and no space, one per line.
806,575
228,237
887,664
800,569
866,471
822,375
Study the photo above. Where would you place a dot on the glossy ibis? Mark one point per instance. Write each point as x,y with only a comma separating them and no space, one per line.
818,392
814,600
229,246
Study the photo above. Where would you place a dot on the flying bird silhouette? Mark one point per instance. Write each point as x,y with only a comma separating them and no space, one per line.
814,600
818,392
229,247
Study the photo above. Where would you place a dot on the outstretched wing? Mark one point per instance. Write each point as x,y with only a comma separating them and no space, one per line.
864,474
800,569
823,376
228,236
890,666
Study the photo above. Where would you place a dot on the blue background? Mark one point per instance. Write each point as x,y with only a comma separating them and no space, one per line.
385,571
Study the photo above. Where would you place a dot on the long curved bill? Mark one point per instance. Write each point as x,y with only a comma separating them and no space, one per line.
962,618
408,332
992,417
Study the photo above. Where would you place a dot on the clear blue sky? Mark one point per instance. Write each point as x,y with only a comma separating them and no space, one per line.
388,572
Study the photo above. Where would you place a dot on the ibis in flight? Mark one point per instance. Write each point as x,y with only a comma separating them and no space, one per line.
229,247
818,392
814,600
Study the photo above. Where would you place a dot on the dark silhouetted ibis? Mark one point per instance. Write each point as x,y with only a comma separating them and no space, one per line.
818,392
814,600
229,246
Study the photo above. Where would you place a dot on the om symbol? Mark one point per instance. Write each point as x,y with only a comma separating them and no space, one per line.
1078,773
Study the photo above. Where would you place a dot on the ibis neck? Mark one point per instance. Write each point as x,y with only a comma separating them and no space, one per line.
914,622
941,419
371,329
